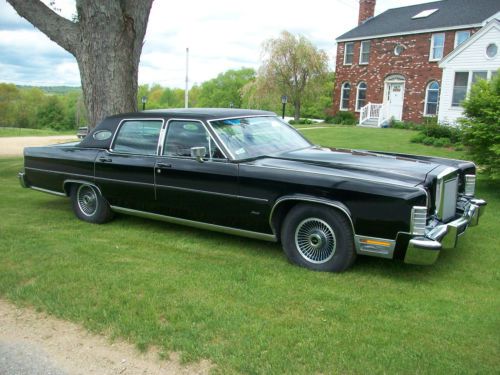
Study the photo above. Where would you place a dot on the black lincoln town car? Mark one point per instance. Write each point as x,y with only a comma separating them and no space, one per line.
248,173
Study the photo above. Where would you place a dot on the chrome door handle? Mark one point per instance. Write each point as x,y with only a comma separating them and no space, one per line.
104,159
163,165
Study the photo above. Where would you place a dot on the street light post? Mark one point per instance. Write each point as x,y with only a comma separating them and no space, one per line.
284,100
144,99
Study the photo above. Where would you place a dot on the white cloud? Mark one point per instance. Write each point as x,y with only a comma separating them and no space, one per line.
221,35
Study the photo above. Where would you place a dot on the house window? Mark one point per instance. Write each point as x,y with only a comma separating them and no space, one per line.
364,54
459,88
344,98
476,76
491,50
349,53
361,96
437,47
461,36
431,99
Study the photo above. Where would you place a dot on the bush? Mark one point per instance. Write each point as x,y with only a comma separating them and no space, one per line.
481,125
428,141
408,125
302,121
419,138
442,142
342,118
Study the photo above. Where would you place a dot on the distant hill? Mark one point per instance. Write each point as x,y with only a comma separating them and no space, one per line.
53,89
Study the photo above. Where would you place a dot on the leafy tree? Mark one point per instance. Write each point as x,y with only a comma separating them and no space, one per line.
225,89
481,125
9,94
293,66
106,38
51,114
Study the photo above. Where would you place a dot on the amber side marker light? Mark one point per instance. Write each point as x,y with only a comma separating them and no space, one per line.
373,242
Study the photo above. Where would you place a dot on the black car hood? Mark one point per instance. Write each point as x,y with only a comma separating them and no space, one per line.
356,163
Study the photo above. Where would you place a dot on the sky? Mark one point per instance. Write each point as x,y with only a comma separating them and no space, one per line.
220,34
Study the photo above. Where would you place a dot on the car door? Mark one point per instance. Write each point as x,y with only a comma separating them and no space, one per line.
204,191
125,173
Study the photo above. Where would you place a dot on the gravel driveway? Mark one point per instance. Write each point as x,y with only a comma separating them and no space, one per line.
13,146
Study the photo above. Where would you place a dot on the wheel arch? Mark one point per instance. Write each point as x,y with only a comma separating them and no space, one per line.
284,204
67,185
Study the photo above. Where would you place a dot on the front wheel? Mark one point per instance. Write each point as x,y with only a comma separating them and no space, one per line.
319,238
89,205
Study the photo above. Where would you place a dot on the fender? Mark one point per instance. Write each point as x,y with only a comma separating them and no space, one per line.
71,181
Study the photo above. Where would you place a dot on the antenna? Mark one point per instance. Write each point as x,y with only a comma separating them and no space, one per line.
186,91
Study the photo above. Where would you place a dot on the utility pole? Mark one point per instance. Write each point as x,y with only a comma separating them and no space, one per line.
186,90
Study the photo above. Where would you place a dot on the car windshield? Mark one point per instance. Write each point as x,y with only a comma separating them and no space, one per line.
251,137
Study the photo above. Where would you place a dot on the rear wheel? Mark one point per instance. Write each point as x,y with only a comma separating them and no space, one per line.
318,237
89,205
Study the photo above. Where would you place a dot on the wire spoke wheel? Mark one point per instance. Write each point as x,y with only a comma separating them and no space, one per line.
315,240
87,200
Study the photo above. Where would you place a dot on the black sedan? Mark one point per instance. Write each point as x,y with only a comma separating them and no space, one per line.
248,173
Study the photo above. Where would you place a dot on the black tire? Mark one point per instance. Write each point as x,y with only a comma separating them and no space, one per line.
89,205
318,237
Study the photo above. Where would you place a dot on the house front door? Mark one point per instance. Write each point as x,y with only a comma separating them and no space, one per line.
395,96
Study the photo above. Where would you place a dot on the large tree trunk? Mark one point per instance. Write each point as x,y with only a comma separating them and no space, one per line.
107,43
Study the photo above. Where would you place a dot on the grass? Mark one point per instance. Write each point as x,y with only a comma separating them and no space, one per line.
25,132
240,304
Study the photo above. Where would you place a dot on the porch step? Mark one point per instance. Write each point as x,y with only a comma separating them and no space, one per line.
370,123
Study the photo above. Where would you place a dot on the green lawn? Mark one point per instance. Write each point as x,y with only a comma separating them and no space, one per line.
240,304
24,132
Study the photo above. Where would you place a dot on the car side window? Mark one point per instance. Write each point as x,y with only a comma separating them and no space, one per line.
138,137
182,135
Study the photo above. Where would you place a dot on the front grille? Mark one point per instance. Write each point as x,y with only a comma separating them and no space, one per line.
446,194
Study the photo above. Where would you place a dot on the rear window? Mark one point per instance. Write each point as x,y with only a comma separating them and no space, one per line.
138,137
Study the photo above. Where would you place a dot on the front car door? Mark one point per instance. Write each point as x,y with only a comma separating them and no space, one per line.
204,191
125,173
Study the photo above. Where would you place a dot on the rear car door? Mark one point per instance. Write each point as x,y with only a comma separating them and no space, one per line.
125,173
189,189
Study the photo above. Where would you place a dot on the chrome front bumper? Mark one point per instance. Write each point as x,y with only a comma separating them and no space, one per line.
22,179
425,249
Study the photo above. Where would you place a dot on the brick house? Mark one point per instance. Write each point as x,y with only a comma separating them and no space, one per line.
388,66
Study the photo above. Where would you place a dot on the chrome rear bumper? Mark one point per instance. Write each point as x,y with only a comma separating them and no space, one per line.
425,249
22,179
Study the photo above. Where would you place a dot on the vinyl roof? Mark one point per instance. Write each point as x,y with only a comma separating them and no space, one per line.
449,14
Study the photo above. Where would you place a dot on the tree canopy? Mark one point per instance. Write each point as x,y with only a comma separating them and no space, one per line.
106,38
292,66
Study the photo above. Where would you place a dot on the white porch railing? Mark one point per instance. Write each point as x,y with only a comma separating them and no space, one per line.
383,115
369,111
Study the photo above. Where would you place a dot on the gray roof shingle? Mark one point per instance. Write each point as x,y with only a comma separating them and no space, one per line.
451,13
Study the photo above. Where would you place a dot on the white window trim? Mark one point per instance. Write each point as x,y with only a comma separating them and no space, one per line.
345,52
361,52
469,83
431,58
455,45
357,95
342,96
426,98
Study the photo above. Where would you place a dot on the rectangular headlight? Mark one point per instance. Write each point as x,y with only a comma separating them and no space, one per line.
418,220
470,185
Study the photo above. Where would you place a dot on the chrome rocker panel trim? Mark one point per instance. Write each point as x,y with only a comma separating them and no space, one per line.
424,250
196,224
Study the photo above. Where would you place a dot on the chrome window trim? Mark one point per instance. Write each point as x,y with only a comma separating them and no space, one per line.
196,224
233,118
134,119
161,144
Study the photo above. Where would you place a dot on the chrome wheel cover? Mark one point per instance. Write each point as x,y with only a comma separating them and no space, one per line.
87,200
315,240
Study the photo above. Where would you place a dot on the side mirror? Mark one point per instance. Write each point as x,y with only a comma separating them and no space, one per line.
198,153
